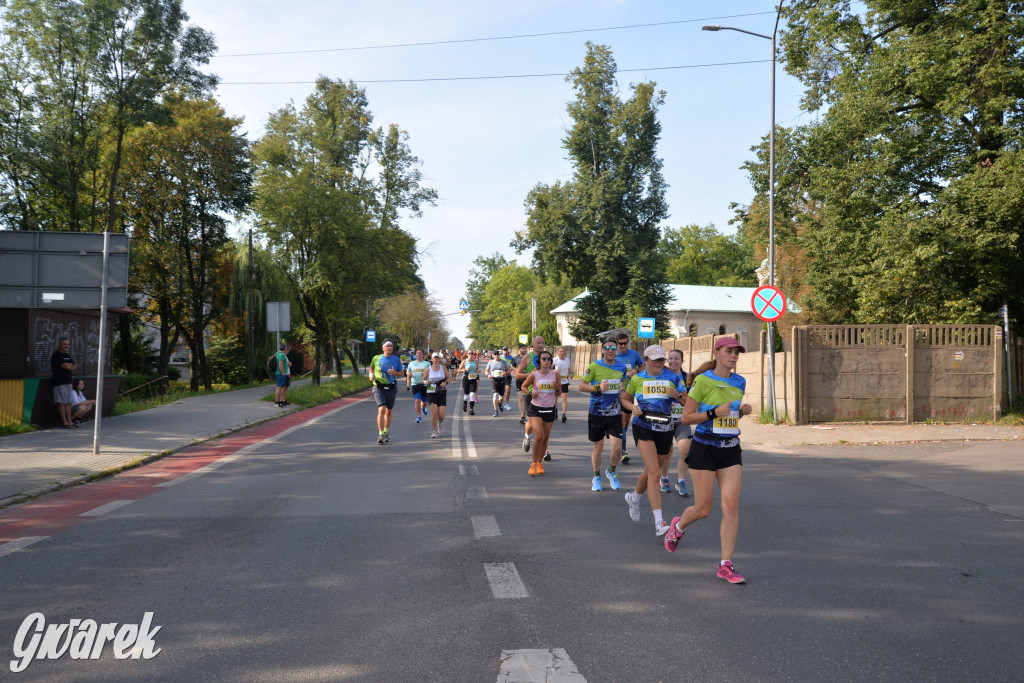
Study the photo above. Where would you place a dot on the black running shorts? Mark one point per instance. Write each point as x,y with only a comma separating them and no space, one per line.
705,457
662,440
599,425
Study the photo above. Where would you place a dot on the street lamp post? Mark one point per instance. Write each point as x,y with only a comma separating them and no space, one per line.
771,196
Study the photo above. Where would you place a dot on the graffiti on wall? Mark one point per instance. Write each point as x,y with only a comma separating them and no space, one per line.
84,336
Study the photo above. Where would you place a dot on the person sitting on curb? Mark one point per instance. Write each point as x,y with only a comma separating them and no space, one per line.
80,406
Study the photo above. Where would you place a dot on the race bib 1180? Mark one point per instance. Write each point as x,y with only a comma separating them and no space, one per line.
727,426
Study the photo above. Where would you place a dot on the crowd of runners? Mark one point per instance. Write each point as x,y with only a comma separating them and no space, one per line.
670,411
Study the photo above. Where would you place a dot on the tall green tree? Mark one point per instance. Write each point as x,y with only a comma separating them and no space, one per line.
52,57
78,75
181,182
703,256
146,51
484,268
601,228
269,282
506,306
911,172
410,316
329,193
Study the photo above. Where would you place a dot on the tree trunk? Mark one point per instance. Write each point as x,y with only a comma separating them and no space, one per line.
112,193
355,363
317,346
340,368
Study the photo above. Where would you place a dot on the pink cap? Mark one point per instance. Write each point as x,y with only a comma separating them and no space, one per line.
730,342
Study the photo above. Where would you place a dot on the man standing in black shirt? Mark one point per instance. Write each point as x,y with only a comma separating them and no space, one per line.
62,366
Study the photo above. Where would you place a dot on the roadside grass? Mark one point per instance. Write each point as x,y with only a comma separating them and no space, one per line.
765,417
1014,418
175,391
309,395
15,427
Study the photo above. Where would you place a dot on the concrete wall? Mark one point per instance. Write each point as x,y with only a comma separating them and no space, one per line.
898,373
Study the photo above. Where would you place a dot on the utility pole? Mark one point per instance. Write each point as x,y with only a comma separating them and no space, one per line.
248,317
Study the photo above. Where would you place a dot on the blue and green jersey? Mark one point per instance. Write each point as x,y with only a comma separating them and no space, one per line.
380,365
607,402
651,394
710,391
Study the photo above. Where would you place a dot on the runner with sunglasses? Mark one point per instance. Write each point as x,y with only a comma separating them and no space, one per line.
714,405
544,386
634,364
649,399
604,380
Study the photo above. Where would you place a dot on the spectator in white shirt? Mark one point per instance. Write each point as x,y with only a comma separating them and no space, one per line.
80,406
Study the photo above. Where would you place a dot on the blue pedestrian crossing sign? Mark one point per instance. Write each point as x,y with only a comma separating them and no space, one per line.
463,305
645,330
371,335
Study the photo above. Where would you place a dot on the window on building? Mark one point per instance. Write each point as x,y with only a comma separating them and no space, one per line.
693,329
721,329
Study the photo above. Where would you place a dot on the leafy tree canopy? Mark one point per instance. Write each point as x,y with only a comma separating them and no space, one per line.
703,256
904,193
601,227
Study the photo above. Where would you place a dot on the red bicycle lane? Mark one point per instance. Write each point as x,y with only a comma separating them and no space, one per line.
62,510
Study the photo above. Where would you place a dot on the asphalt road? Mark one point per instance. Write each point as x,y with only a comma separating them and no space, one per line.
318,555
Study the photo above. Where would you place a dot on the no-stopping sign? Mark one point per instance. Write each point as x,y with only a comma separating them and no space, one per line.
768,303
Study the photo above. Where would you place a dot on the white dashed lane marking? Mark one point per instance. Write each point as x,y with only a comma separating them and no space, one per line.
505,581
104,509
538,666
485,526
19,543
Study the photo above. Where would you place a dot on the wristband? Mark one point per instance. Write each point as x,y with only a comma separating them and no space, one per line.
711,414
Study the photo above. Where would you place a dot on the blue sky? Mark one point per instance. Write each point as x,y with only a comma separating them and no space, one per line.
485,143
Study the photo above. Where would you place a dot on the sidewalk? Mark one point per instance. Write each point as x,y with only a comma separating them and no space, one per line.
786,436
39,462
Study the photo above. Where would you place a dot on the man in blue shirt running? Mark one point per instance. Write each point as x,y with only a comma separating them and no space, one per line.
384,370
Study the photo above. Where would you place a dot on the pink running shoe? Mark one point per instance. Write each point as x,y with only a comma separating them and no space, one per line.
673,535
729,573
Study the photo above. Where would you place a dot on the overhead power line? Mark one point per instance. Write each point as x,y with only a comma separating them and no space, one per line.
490,38
492,78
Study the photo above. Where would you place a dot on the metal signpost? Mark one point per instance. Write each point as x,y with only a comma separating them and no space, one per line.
279,319
1005,313
769,304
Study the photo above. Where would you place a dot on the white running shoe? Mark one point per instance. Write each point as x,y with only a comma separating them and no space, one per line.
433,435
660,528
633,501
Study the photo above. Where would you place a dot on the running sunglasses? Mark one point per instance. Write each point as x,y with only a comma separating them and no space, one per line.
626,343
609,347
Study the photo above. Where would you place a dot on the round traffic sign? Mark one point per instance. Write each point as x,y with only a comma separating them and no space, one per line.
768,303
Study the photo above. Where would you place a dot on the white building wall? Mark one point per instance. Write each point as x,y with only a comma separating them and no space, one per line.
744,326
